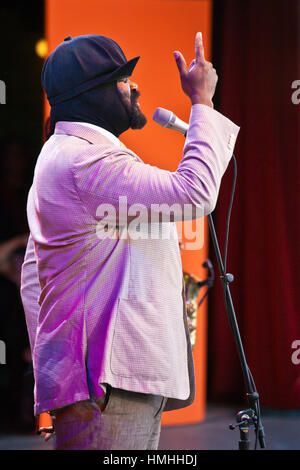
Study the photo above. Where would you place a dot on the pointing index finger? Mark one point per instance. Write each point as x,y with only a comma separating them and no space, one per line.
199,49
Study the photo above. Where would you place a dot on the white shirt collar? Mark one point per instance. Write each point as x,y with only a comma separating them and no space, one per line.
104,132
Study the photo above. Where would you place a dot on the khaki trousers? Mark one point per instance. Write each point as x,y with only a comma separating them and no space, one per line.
119,420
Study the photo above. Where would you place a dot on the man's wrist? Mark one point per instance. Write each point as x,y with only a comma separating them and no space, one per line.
199,100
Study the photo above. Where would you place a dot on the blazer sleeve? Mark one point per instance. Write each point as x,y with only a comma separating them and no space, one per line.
30,291
102,175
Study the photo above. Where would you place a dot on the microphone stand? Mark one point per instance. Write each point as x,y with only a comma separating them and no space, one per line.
250,416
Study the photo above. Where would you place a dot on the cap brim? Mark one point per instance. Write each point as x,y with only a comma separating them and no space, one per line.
124,70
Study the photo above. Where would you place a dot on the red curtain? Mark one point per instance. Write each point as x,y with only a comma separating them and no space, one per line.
257,56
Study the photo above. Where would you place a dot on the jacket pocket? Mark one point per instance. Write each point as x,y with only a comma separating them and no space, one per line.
141,346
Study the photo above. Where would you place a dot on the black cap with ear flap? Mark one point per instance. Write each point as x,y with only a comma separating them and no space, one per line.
81,63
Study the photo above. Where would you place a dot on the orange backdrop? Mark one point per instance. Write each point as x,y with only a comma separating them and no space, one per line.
152,29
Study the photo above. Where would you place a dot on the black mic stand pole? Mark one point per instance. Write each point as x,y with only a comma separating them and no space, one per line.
250,416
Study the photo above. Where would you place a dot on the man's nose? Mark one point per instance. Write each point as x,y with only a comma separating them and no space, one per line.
133,85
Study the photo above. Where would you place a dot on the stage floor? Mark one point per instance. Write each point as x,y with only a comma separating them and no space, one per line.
282,430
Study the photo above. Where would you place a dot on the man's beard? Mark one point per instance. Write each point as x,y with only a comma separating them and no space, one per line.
136,118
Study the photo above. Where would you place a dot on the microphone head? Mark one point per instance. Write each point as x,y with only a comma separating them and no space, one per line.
162,116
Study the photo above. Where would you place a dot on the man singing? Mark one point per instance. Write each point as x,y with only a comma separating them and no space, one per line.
105,309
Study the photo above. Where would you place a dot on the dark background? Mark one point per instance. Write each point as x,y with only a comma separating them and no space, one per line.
256,54
21,135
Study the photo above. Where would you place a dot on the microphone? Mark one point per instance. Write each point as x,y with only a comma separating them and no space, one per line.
166,118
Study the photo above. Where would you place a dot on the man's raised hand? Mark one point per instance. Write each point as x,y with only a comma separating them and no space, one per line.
200,79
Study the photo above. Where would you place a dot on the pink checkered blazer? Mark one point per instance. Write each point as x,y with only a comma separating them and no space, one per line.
103,309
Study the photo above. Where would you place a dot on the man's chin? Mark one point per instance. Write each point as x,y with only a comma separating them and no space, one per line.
138,119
